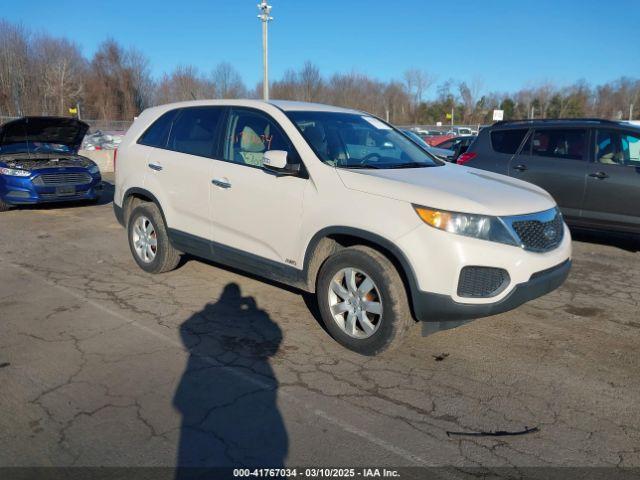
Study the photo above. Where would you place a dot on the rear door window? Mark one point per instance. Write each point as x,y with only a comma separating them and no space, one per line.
194,131
559,143
507,141
617,148
158,133
630,146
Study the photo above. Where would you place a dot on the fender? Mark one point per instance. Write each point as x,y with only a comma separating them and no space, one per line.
136,191
406,270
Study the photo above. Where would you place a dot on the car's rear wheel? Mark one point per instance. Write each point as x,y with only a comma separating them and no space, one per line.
149,241
363,300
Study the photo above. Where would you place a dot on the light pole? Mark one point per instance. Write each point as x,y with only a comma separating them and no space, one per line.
265,10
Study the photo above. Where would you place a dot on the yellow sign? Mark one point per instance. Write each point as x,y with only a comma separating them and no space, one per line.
73,110
448,116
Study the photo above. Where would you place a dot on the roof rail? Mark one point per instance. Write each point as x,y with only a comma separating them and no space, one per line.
551,120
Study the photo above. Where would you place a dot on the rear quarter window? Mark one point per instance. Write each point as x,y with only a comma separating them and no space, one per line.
157,134
507,141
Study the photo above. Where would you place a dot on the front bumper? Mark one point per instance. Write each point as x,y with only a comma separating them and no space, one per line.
437,258
443,312
22,191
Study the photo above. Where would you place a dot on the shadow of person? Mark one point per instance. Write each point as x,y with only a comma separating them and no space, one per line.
227,394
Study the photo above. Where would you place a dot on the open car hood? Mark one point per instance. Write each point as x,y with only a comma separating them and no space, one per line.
58,130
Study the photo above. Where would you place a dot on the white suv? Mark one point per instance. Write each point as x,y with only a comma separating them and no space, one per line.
339,203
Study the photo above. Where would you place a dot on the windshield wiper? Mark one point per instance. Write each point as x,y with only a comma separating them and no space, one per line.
409,165
360,166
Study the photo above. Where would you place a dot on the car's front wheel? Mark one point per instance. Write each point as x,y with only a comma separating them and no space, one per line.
363,300
149,241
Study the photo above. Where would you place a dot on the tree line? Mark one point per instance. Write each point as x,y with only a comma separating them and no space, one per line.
42,74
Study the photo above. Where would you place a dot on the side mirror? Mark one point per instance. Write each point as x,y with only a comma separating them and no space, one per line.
276,161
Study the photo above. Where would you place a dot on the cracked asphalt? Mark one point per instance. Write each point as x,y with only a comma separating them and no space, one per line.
102,364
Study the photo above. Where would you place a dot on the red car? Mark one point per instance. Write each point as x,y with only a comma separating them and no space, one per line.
434,140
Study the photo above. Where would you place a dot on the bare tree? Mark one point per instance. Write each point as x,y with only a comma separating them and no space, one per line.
117,84
59,69
287,88
310,83
543,94
184,83
417,83
469,93
14,69
227,82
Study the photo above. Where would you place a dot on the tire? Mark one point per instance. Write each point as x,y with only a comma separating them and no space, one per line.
162,258
388,292
4,207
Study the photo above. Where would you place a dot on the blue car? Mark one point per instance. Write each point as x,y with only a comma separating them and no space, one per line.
39,162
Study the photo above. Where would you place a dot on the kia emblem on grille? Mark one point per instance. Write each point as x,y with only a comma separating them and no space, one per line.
550,232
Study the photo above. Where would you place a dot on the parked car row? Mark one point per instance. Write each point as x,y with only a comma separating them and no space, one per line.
591,167
341,204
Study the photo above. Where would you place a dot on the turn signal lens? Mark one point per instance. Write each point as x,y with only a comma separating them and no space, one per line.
435,218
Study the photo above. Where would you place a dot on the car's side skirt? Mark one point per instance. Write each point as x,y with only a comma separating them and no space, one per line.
232,257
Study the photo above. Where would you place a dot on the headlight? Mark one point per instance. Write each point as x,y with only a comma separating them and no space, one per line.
14,172
478,226
94,170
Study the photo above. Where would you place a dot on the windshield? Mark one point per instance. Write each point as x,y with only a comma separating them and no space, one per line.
350,140
416,138
34,147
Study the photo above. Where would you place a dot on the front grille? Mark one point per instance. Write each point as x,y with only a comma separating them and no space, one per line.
539,235
482,282
57,179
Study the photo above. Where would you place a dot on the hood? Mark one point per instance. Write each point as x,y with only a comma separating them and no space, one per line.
452,187
58,130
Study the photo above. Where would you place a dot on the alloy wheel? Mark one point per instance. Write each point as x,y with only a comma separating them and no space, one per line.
355,303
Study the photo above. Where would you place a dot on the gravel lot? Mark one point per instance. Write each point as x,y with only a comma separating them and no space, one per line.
104,365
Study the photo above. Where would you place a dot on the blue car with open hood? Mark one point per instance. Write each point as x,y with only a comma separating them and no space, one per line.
39,162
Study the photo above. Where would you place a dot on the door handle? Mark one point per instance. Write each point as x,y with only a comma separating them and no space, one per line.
155,166
520,167
221,182
599,175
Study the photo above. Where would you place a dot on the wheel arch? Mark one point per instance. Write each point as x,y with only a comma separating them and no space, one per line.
329,240
134,197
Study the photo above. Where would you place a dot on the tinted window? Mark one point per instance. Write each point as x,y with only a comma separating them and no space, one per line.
249,134
158,133
618,148
194,131
507,141
566,143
